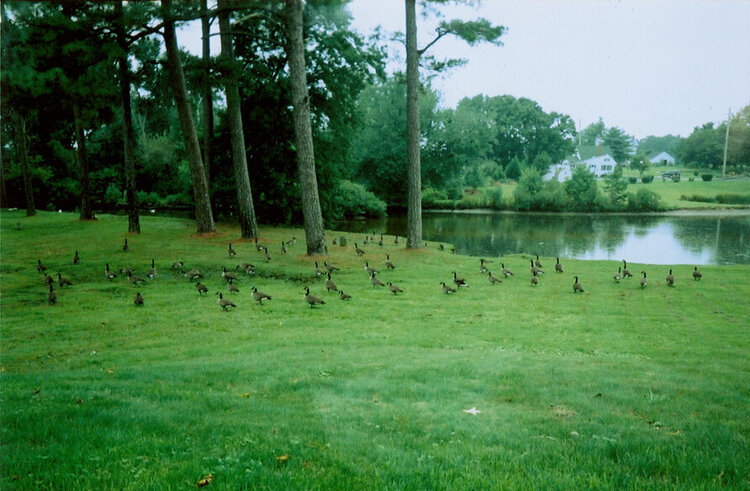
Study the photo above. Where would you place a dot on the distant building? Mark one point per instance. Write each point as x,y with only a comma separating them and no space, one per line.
662,159
596,158
600,165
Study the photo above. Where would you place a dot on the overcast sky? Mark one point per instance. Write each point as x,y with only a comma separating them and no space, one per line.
650,67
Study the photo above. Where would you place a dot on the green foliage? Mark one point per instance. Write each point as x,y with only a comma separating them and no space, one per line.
704,148
616,187
352,199
434,199
733,199
582,190
619,143
593,132
707,177
675,178
514,168
494,197
542,162
644,200
655,144
647,179
632,179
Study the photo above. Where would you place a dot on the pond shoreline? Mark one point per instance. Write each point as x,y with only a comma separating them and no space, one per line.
740,211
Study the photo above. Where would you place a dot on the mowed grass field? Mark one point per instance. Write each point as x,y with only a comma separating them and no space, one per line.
618,387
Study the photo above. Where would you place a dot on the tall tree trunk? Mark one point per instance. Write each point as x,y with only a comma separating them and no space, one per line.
208,102
128,133
203,216
3,188
28,189
414,171
83,162
248,222
295,51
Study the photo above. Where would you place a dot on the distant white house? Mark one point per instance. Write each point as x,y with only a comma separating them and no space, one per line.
599,165
562,171
662,159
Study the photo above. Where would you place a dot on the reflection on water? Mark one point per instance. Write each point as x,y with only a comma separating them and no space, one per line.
702,239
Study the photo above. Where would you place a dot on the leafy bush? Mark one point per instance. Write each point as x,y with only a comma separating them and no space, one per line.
582,190
647,179
632,180
707,177
698,198
691,179
733,199
113,196
644,200
434,199
676,178
695,173
495,197
353,199
472,201
529,186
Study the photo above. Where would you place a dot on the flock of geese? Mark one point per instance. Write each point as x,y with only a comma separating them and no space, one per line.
230,277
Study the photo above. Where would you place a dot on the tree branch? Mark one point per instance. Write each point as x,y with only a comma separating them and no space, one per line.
429,45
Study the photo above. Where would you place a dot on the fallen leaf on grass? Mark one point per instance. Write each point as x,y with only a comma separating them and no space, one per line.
245,395
205,481
111,370
282,459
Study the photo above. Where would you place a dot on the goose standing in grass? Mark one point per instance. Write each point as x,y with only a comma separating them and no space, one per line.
283,247
40,268
697,275
388,263
51,296
493,279
344,296
441,247
446,289
670,279
224,303
126,270
138,300
258,247
227,275
231,251
76,259
291,241
267,256
375,281
125,246
47,279
482,267
644,282
577,286
110,275
135,280
360,252
534,269
558,266
152,273
460,282
330,285
394,289
201,288
380,242
330,267
370,270
318,271
194,274
233,288
625,271
367,240
538,263
395,239
259,296
312,299
505,271
534,278
618,276
178,265
63,281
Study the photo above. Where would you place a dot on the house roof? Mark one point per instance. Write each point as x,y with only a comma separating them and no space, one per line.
585,152
661,156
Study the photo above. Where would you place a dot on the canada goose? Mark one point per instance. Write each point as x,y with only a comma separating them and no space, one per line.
380,242
453,250
267,256
233,288
335,241
617,276
643,280
110,275
40,268
482,267
135,280
291,241
178,265
459,281
63,281
194,274
375,280
283,247
534,278
577,286
367,240
538,263
51,296
231,251
446,289
493,279
395,239
152,273
506,272
558,266
330,267
201,288
441,247
360,252
259,296
697,275
312,299
370,270
224,303
318,271
126,270
76,259
394,289
330,285
534,269
388,263
258,247
138,300
344,296
227,275
670,279
625,271
125,247
48,280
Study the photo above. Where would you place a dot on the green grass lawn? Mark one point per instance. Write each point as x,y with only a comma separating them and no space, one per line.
618,387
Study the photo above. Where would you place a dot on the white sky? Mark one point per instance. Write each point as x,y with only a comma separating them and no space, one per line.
651,67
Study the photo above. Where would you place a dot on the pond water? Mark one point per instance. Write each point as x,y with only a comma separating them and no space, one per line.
651,239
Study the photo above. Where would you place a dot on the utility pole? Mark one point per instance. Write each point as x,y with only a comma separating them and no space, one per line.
726,145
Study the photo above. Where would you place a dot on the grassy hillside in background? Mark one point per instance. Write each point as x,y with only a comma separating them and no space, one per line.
618,387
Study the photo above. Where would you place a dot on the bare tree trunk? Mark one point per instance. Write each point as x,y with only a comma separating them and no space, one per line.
83,162
295,50
3,188
128,133
414,171
248,222
28,189
208,102
203,215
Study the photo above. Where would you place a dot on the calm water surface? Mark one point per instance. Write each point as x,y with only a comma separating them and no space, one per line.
650,239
